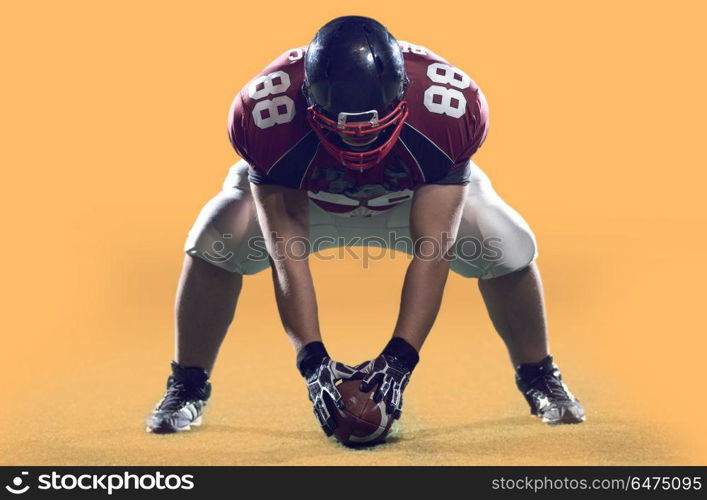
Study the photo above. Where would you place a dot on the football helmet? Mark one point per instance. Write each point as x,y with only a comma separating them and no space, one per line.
354,83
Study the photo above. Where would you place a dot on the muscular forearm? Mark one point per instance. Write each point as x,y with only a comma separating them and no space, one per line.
296,301
434,221
284,218
421,299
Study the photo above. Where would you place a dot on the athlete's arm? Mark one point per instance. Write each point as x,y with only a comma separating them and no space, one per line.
434,222
284,219
283,214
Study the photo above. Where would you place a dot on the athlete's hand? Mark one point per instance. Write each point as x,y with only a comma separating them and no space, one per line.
321,384
391,376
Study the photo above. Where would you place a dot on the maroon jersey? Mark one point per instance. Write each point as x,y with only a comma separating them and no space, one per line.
447,123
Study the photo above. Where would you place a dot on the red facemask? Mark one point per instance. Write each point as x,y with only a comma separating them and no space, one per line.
365,159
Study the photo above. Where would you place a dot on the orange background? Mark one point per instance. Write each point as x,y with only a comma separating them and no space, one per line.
113,132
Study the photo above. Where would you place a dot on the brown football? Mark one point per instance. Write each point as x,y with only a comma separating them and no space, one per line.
363,422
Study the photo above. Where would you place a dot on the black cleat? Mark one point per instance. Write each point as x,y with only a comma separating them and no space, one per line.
548,396
183,404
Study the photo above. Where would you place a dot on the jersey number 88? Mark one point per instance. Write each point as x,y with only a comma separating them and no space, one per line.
446,100
277,110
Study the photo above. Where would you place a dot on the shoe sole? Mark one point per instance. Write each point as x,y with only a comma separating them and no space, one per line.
568,421
174,430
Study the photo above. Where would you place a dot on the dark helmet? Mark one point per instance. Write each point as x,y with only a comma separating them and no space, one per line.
354,81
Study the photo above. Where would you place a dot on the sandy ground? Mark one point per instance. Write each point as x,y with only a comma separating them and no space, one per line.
461,407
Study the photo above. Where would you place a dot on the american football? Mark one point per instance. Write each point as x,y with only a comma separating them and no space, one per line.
363,422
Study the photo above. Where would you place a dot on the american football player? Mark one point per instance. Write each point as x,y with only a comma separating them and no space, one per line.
358,137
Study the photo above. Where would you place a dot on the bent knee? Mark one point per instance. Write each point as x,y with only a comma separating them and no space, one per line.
516,250
502,243
226,234
213,246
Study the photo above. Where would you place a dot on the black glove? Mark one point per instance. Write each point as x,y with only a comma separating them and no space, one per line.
390,372
321,374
